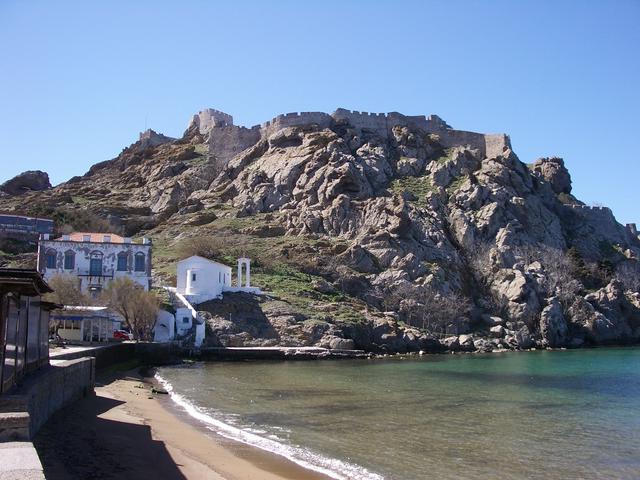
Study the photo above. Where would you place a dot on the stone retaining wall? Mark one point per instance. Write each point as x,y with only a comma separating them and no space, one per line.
42,394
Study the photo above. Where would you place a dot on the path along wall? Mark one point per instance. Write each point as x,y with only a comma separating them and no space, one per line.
27,408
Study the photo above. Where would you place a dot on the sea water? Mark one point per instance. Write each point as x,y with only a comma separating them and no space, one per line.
534,415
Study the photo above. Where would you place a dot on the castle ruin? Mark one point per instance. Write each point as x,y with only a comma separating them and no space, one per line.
226,139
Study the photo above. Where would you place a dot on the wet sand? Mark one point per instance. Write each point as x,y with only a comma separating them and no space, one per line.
126,432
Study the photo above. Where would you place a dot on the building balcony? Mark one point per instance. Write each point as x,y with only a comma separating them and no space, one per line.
104,273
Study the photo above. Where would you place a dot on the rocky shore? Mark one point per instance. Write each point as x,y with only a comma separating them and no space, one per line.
257,322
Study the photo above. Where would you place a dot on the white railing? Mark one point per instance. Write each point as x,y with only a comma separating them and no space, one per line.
199,323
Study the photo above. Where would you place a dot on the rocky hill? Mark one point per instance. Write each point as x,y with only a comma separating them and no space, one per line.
384,232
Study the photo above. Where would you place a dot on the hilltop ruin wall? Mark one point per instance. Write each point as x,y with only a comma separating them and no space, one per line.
226,139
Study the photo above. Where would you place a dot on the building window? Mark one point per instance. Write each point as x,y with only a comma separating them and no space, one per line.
69,260
219,277
139,266
106,238
193,277
51,259
95,267
122,262
185,319
95,264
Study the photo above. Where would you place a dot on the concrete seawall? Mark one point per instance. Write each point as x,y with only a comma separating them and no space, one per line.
54,387
107,355
276,353
69,377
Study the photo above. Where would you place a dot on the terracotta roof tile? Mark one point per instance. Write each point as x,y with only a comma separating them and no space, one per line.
94,237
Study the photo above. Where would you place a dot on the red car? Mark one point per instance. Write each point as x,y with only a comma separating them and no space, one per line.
122,335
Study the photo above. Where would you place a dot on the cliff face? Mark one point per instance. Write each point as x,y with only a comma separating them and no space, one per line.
357,221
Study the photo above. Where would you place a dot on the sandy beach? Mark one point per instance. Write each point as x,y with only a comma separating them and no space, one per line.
125,431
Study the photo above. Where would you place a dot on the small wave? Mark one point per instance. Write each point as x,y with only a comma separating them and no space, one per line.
331,467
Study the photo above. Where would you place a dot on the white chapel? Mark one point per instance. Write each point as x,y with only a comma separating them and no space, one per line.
200,279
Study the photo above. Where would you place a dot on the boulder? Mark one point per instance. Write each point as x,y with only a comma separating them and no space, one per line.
202,218
337,343
552,170
30,181
499,344
322,286
360,259
466,343
482,345
553,328
392,342
451,343
415,341
492,320
605,316
498,331
521,339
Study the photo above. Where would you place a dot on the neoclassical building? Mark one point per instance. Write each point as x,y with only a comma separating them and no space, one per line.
95,259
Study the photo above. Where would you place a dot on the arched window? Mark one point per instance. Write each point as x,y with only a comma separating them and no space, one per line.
95,264
122,261
51,258
69,260
140,263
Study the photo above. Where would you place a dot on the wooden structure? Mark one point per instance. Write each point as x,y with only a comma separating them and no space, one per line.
24,325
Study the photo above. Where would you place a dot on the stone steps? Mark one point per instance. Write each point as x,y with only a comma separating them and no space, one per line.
12,403
14,427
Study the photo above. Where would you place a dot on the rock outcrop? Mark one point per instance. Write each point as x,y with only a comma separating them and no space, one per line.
553,171
29,181
382,232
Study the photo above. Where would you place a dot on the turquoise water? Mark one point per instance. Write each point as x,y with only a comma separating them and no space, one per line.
538,415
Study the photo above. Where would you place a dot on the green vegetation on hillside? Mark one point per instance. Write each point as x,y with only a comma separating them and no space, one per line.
285,267
419,187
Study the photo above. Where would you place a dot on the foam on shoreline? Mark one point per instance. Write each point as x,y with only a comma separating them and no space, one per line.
331,467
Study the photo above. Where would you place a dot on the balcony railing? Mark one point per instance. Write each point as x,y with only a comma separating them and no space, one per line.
87,272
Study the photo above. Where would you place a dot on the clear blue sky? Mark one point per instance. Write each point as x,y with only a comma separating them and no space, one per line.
79,78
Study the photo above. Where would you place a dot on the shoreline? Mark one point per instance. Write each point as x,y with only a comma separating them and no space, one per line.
126,431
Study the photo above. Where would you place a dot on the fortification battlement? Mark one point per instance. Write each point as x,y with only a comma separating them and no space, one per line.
296,119
589,208
380,123
150,138
209,118
147,134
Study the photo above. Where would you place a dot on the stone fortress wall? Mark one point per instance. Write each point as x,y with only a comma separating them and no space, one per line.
209,118
382,123
605,218
606,210
227,139
295,119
